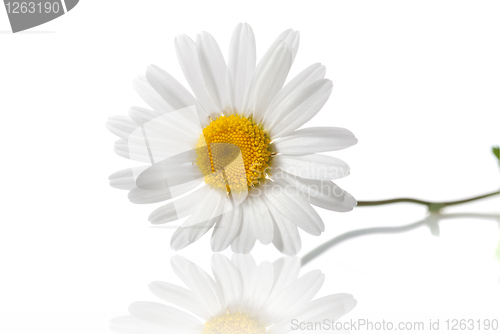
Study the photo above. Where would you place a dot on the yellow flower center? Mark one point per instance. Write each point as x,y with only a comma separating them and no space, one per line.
232,153
235,323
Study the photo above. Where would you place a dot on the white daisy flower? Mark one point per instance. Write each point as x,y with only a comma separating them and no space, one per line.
234,149
241,298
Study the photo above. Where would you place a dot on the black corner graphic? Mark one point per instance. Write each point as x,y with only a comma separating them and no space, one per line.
70,4
24,15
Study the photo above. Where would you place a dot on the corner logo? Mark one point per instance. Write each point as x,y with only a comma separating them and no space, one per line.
28,14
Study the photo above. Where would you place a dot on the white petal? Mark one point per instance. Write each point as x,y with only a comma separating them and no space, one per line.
214,69
245,240
241,63
179,208
297,109
188,59
313,166
290,38
163,315
150,96
121,148
315,140
245,264
147,196
229,279
155,140
201,284
286,235
174,92
324,194
171,90
331,307
286,271
293,298
214,205
267,80
165,124
143,115
185,236
311,74
122,126
178,296
259,287
136,149
139,153
257,216
294,206
174,171
181,125
123,179
226,230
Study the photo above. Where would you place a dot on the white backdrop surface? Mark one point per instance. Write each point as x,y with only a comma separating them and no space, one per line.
417,82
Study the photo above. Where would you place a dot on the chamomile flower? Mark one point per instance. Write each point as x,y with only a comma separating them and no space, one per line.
233,152
241,298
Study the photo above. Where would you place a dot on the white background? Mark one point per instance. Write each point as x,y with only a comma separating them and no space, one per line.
417,82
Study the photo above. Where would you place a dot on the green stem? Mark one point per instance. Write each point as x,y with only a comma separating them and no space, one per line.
433,206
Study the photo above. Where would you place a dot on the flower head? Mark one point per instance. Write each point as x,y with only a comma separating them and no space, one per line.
233,152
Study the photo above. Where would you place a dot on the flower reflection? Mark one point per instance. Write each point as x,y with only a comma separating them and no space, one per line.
241,298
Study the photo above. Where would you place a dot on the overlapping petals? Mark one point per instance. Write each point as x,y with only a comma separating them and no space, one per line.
272,294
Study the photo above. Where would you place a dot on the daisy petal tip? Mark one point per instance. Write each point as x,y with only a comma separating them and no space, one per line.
290,252
317,66
174,247
177,244
133,307
153,286
182,39
216,247
287,32
245,25
247,30
154,219
316,230
202,36
348,301
177,260
107,124
315,233
283,46
153,283
353,304
151,217
152,68
316,273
